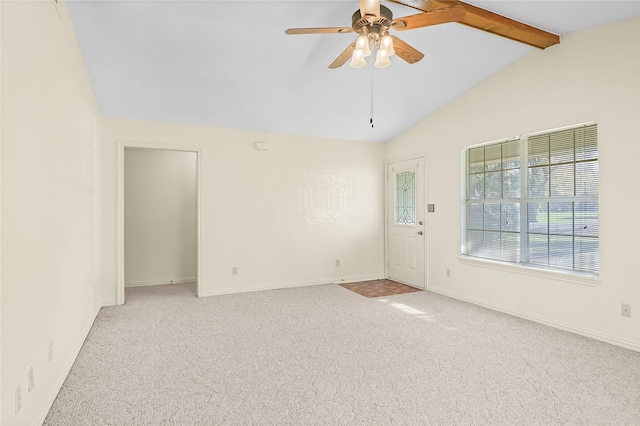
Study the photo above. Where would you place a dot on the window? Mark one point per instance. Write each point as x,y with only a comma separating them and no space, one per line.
534,200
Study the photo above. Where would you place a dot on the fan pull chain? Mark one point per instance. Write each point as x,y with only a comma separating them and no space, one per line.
371,98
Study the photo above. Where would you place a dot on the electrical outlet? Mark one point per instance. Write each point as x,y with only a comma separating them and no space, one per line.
337,262
234,270
626,310
32,380
50,351
448,273
18,399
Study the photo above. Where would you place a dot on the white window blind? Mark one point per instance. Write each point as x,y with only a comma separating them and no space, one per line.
534,200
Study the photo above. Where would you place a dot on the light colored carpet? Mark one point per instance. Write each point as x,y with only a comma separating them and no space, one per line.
327,356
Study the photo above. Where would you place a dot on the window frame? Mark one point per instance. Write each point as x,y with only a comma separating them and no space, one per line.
522,264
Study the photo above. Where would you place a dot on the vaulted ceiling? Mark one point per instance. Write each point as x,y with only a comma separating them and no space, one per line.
230,63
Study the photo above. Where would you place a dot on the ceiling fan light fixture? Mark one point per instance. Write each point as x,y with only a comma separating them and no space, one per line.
362,47
357,61
382,59
386,44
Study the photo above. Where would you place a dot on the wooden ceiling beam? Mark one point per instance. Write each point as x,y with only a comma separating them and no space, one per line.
491,22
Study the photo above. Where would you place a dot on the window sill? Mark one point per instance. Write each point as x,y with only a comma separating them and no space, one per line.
533,271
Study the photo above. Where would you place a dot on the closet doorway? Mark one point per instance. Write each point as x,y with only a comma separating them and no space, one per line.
158,195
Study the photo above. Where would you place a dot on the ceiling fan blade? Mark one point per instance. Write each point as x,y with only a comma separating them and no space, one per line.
344,56
491,22
330,30
406,52
440,16
370,9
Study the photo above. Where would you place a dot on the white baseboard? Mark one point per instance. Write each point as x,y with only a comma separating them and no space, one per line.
109,302
607,338
277,286
359,278
64,372
160,282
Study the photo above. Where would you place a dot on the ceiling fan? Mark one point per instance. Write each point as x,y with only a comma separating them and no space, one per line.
373,21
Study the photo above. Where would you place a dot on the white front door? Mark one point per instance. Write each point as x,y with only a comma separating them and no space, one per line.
405,218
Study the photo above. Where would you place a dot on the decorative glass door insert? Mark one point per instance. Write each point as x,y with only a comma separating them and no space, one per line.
405,198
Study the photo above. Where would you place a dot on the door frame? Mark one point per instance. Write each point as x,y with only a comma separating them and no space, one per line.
121,145
388,198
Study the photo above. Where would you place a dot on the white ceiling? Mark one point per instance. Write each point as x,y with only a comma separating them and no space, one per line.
230,64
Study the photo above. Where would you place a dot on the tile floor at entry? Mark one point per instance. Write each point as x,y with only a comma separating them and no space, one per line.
379,288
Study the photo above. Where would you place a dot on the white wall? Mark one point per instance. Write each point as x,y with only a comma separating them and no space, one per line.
50,204
281,216
592,75
0,213
160,219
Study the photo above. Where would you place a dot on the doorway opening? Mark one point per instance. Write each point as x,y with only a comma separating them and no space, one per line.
158,217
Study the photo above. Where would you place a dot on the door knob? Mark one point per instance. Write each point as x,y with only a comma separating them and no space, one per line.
420,223
420,232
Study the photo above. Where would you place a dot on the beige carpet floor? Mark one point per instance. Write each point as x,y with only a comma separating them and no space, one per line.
324,355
